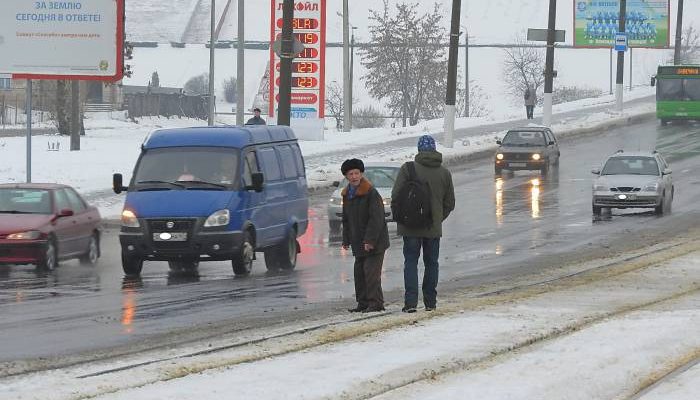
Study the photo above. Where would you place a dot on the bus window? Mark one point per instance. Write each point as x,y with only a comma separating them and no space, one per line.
692,89
670,89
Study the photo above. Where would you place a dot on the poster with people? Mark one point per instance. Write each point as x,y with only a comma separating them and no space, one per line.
647,23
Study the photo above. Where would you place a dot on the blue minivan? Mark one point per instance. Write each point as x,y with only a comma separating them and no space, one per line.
215,194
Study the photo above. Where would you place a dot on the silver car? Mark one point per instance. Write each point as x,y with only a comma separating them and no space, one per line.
382,176
633,180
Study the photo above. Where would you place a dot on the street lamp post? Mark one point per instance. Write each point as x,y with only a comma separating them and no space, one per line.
212,40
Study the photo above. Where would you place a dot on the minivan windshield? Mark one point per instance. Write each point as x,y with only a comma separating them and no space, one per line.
631,166
524,138
200,168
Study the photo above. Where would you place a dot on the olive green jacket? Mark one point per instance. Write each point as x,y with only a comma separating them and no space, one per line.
429,169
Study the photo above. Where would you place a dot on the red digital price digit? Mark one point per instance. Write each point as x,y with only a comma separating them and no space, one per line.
305,67
307,38
300,23
308,53
307,83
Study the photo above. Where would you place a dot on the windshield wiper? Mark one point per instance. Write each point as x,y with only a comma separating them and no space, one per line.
222,187
15,212
161,182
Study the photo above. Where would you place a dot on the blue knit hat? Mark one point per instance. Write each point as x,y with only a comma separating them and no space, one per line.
426,143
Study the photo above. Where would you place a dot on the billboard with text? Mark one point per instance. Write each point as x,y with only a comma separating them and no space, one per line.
596,22
62,39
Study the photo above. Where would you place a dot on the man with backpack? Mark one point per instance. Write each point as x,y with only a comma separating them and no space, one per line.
422,198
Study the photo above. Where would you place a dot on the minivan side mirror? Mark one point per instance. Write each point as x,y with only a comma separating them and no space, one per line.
595,171
118,184
336,184
258,180
653,81
498,142
551,142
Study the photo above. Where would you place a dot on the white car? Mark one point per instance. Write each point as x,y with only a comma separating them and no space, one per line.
633,180
382,176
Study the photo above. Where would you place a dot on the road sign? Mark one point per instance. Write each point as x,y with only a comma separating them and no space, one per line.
540,35
297,47
62,40
621,41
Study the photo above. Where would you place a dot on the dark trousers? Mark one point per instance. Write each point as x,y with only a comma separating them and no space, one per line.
530,110
368,281
411,252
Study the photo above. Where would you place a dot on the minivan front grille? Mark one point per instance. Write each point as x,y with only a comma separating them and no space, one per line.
171,225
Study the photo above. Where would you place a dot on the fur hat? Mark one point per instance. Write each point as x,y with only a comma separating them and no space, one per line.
426,143
351,164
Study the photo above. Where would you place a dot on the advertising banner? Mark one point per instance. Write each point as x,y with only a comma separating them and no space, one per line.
308,67
62,39
596,23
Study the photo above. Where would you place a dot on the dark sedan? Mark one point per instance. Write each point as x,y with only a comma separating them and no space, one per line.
43,223
527,148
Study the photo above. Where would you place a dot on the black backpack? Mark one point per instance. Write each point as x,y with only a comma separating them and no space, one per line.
412,207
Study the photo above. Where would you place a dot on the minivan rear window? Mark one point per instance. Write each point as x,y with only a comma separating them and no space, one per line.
270,165
288,165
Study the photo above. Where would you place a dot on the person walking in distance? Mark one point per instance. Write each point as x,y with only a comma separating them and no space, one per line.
256,119
530,101
366,233
422,198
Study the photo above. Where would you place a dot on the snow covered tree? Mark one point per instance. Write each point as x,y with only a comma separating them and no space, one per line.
155,79
407,63
230,89
367,117
198,85
334,103
523,67
690,45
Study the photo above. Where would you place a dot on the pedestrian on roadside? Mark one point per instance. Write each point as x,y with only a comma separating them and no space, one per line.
256,119
422,198
530,101
366,233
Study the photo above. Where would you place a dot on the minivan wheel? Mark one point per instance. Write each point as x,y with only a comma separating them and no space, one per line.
93,252
131,265
50,258
242,263
284,255
545,168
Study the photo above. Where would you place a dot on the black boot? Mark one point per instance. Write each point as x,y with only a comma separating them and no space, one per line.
359,308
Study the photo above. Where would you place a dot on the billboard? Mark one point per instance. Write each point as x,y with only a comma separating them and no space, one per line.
308,67
62,39
597,22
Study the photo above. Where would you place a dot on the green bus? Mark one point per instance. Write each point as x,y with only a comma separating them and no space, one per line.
677,92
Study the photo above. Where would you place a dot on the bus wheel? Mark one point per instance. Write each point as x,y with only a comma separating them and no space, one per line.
664,122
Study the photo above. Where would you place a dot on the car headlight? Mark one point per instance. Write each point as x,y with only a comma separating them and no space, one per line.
129,219
651,187
219,218
337,200
387,201
600,188
536,157
499,156
29,235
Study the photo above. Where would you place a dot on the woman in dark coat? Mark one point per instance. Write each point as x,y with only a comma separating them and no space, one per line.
366,233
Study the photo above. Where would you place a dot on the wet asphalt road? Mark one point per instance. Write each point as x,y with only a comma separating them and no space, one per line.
501,228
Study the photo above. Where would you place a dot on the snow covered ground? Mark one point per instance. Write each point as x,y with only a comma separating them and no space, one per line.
112,144
591,337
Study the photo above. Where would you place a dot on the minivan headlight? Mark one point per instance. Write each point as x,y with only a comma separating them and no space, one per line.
29,235
651,187
536,157
129,219
219,218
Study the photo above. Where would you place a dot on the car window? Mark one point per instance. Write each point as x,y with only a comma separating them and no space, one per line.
29,201
550,137
524,138
270,165
631,166
62,202
250,166
289,166
299,160
75,201
382,177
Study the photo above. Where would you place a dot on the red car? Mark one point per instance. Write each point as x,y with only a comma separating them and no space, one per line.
43,223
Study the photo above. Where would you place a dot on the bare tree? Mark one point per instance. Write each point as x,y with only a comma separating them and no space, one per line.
230,89
198,84
367,117
477,100
155,79
523,68
334,103
408,67
690,45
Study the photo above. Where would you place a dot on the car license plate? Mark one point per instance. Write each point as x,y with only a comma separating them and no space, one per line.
517,164
170,237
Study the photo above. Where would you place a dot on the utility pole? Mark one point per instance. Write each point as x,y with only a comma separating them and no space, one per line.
451,97
75,116
347,99
240,64
621,60
466,73
29,130
286,55
679,35
212,41
352,72
549,67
